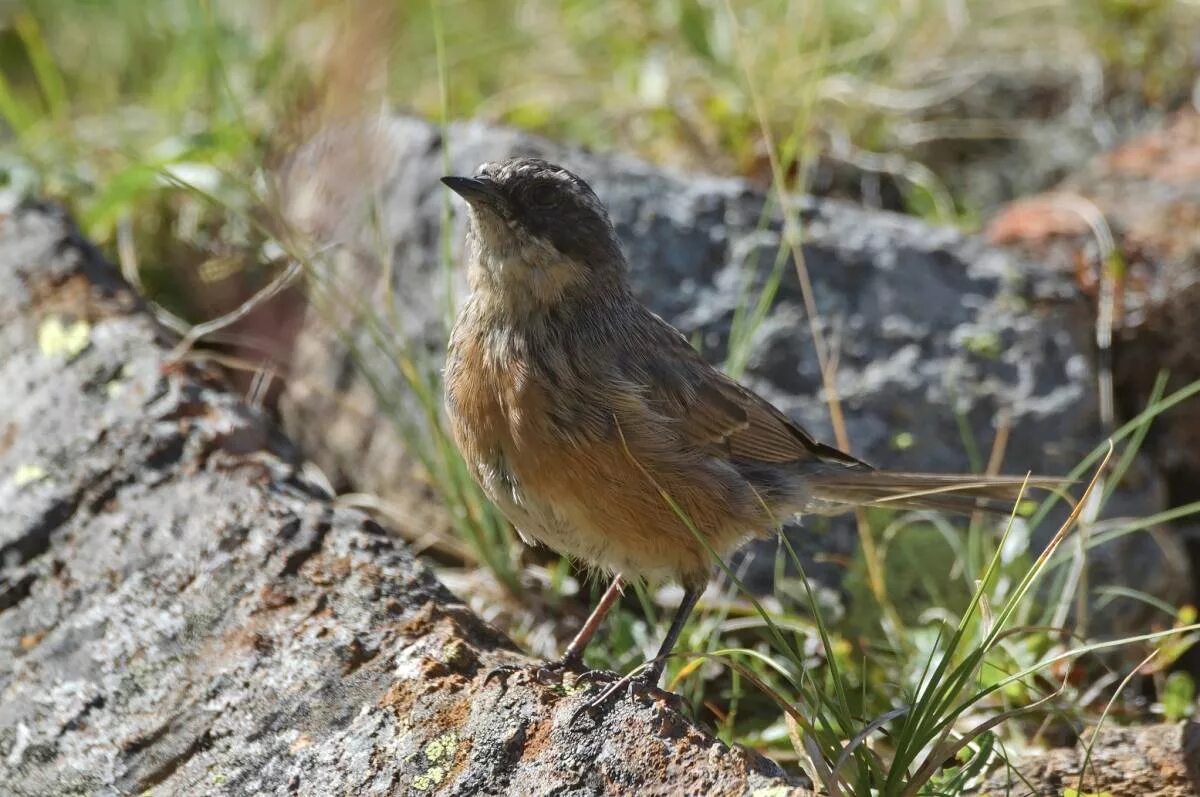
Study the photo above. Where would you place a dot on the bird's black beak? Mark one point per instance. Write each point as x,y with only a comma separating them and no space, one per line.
474,189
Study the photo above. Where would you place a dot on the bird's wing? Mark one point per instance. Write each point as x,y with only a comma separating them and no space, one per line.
718,414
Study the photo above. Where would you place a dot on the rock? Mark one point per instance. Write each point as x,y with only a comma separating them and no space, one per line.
989,133
184,611
1145,196
1149,761
1141,202
933,331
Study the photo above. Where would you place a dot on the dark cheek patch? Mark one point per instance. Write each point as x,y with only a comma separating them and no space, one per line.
578,237
575,226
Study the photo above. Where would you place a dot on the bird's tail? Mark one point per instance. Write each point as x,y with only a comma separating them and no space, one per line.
843,489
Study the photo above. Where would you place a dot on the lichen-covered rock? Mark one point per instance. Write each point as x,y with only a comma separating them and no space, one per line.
1149,761
183,611
1133,214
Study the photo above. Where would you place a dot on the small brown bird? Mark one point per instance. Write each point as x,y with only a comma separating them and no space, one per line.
595,427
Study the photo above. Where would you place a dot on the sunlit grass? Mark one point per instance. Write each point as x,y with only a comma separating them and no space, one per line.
99,95
928,715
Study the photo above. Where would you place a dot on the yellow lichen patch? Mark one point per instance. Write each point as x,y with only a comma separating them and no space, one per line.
442,748
458,656
115,386
439,753
28,474
429,778
56,339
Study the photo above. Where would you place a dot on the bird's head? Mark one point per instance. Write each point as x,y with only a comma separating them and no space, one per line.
538,234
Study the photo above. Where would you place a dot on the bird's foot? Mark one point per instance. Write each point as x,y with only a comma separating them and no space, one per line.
644,682
550,672
596,677
502,673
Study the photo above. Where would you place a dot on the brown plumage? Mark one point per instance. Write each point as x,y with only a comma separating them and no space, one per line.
577,408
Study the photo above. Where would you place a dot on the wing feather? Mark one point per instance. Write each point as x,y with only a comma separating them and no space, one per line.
718,414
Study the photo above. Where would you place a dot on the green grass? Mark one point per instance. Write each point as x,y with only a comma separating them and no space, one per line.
925,705
100,95
158,125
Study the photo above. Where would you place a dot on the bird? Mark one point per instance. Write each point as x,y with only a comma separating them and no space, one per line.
599,431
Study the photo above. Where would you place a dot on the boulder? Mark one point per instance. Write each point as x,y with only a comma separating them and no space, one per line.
183,610
1129,220
1160,760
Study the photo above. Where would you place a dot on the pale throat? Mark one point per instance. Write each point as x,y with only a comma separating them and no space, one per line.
521,277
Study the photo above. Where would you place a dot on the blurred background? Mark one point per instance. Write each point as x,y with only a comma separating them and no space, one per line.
938,108
177,131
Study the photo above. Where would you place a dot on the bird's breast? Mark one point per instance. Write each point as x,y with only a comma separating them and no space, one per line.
582,462
503,419
498,410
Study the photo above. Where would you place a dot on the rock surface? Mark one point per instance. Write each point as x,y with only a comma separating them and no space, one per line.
1130,220
933,332
1149,761
183,611
1135,212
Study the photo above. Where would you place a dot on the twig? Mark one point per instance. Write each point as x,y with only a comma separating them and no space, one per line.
272,289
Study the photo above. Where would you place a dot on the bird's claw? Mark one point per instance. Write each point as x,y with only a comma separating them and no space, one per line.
501,673
644,682
596,676
551,672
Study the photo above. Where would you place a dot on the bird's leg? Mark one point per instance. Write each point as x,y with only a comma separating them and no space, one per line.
572,658
649,675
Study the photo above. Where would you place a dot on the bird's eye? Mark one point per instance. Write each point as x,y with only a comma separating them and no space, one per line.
540,197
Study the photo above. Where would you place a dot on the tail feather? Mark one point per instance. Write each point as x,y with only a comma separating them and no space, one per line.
844,489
